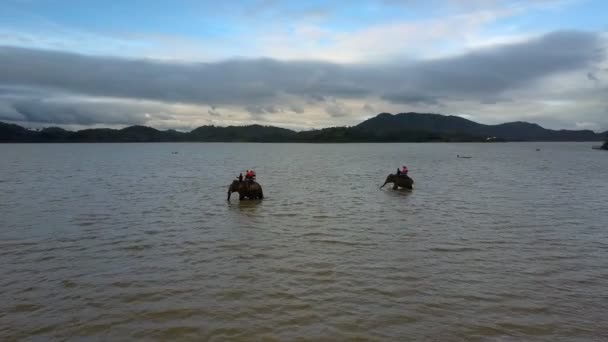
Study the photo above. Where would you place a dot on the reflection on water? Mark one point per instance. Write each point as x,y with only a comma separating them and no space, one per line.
398,192
132,242
246,207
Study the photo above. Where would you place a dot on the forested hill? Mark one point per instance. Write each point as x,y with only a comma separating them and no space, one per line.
443,124
404,127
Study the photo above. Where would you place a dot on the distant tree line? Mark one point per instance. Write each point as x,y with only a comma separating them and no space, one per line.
406,127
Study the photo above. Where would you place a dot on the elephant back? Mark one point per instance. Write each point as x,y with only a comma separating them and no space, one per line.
252,186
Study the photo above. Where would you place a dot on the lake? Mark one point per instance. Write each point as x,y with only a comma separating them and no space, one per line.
134,242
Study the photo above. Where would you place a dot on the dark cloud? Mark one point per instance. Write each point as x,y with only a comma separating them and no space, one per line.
315,98
337,110
8,113
273,109
262,110
495,100
21,92
368,108
413,99
491,71
260,84
297,108
76,112
213,111
255,110
257,81
591,76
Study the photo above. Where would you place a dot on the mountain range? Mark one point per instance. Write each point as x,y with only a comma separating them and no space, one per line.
385,127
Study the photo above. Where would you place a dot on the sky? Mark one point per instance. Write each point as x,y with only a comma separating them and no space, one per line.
301,64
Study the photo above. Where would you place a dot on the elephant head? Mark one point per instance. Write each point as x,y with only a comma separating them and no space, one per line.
234,187
389,179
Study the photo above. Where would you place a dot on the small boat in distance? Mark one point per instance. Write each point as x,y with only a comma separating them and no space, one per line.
459,156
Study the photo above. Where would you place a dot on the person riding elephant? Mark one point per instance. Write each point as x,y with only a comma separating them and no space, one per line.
402,171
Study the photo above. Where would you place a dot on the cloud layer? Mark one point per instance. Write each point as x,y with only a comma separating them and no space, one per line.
63,88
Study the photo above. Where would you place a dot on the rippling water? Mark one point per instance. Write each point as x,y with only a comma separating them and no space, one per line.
130,241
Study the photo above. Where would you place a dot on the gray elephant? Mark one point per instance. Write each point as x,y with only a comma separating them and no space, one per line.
247,189
399,181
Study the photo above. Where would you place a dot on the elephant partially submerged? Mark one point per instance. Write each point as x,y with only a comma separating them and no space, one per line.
247,190
399,181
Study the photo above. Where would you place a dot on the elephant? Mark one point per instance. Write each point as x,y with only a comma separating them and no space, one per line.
246,189
399,181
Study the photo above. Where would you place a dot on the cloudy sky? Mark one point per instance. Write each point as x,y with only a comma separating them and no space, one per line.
301,64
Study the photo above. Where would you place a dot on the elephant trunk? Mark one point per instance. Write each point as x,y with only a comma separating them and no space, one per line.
229,193
389,179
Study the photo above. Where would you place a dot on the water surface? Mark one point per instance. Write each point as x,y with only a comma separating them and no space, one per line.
133,242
